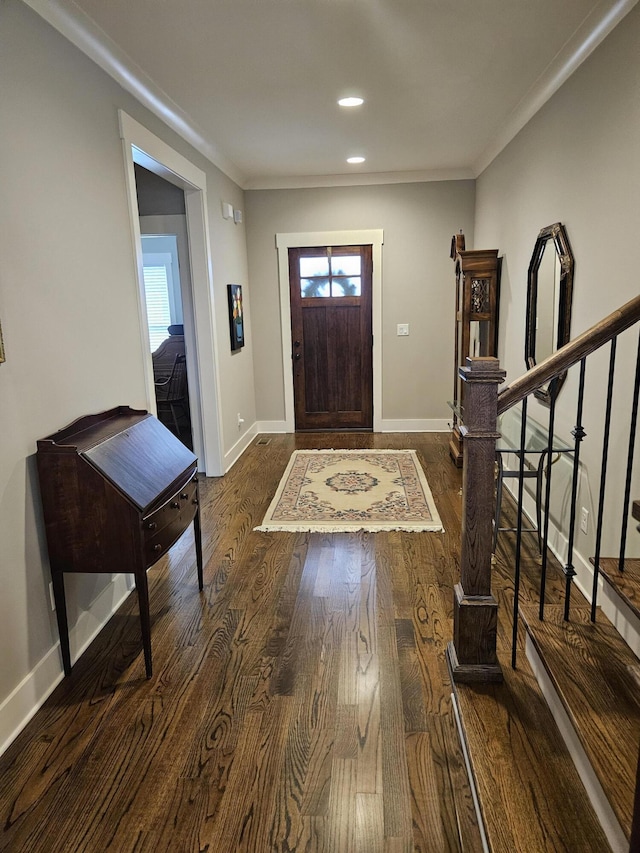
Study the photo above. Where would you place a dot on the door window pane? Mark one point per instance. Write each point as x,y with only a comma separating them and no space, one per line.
323,276
346,286
314,287
314,266
345,265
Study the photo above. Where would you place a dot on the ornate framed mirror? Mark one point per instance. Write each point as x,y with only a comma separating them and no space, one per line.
549,292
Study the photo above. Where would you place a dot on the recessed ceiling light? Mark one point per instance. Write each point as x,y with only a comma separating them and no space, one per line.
355,159
351,102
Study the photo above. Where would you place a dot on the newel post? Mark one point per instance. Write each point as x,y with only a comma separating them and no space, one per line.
472,654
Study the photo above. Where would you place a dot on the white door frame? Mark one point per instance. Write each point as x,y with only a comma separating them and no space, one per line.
284,242
143,147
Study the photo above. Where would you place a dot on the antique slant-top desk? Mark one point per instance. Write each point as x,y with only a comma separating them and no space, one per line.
118,489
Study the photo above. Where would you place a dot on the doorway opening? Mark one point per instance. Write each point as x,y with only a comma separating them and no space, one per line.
167,283
165,320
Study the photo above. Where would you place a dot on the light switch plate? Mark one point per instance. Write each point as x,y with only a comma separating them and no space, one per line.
403,329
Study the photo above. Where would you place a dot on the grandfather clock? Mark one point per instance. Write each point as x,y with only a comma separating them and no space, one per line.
476,326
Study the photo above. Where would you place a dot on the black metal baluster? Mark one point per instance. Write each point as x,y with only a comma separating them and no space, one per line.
603,479
632,442
578,433
516,589
547,500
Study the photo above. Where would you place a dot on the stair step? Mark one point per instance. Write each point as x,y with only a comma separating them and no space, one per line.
530,796
597,679
626,583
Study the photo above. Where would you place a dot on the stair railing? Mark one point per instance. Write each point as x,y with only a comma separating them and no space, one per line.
472,655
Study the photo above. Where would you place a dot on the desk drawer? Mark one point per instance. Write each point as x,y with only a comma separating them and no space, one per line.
162,527
160,542
184,495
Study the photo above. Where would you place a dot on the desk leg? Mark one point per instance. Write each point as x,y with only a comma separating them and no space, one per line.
197,535
61,614
142,589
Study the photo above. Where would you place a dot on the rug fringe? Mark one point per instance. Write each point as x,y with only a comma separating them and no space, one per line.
379,528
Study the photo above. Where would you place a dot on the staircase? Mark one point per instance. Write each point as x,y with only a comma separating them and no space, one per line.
552,748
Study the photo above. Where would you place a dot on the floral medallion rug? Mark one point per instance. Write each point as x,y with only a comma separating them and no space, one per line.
336,491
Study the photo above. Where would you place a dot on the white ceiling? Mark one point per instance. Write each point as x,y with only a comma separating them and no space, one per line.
254,83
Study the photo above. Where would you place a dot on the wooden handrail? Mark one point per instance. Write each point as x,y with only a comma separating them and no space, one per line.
570,354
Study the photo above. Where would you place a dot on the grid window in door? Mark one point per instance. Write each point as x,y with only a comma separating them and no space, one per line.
327,275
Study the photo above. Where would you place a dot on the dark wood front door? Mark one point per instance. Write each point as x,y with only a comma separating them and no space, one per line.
331,343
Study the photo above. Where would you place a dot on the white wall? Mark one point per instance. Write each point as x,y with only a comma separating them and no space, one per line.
418,221
578,162
68,310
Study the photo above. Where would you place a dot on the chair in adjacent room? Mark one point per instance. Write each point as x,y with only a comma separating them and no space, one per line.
171,395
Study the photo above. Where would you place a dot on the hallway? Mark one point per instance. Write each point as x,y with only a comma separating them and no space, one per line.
300,703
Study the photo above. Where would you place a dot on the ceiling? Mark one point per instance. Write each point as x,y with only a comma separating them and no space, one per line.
254,83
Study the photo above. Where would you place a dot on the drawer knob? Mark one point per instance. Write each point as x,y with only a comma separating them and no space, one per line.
184,496
175,504
195,501
195,480
152,525
157,547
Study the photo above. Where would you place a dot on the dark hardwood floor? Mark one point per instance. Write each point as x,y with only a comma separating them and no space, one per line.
301,703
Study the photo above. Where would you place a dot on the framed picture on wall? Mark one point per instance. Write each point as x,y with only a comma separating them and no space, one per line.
236,316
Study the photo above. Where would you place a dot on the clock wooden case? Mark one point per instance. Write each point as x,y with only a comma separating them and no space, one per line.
477,284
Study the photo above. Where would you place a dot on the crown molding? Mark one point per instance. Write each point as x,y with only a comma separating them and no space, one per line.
359,179
76,26
593,30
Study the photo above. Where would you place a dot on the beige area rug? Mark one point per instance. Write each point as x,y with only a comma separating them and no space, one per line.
333,491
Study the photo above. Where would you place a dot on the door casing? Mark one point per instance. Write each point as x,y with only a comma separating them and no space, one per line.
284,242
142,146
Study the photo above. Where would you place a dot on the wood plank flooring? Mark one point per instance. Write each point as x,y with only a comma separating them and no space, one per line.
300,703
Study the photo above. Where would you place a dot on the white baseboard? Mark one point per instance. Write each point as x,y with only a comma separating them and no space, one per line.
415,425
232,456
272,427
599,801
23,702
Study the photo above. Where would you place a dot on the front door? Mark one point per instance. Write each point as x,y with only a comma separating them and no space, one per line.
331,337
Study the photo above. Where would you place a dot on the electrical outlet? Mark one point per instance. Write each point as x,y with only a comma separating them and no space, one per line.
584,520
240,421
403,329
52,598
